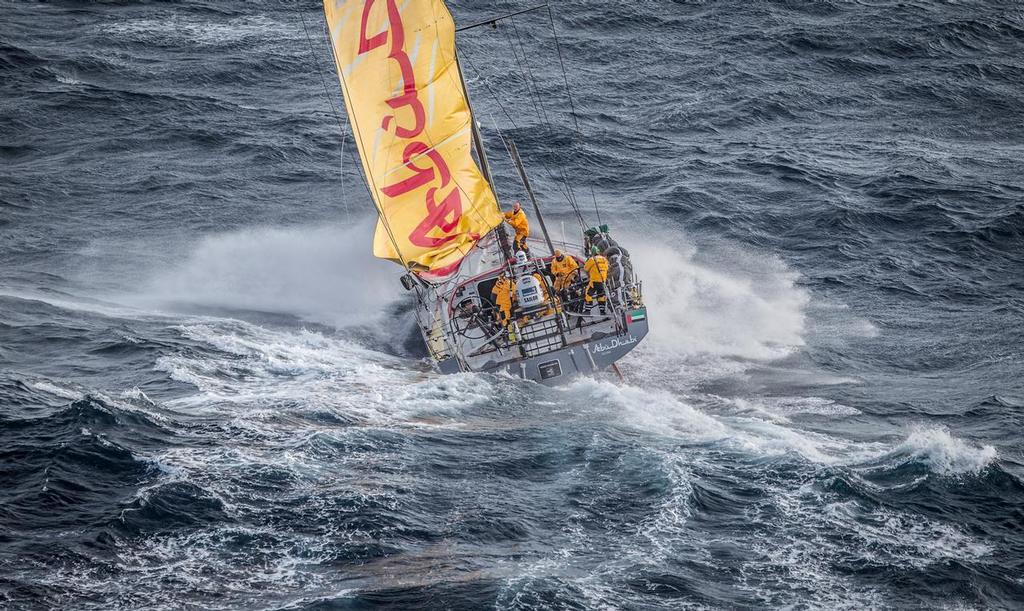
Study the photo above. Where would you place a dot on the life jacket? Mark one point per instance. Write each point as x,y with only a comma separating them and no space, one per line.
518,222
596,268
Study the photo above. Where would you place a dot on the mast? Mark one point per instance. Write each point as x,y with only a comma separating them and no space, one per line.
485,168
529,191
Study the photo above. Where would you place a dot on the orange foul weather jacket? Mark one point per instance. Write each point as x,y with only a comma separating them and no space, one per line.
521,226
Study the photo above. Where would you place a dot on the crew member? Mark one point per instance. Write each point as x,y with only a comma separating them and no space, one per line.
597,272
517,219
563,268
501,296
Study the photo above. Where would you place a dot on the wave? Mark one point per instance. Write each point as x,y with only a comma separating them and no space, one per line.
763,433
168,506
943,453
764,430
254,372
83,457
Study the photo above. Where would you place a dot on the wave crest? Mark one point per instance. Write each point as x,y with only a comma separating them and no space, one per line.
945,454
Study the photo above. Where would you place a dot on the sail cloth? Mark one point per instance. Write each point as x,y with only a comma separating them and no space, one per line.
411,121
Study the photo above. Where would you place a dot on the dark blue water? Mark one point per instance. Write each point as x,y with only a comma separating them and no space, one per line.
212,397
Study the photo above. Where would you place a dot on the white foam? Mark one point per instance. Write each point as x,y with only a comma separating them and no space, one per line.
945,454
67,80
748,431
59,391
179,29
768,439
714,313
763,428
811,532
137,394
781,409
655,410
887,537
262,368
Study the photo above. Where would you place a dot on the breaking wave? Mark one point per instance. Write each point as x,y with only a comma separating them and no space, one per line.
945,454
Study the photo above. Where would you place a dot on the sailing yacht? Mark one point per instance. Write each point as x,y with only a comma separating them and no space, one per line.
426,168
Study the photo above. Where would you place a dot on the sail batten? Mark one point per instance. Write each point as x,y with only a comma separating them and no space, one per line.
412,124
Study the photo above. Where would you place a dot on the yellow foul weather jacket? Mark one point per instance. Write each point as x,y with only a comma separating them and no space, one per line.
596,268
562,271
501,295
597,272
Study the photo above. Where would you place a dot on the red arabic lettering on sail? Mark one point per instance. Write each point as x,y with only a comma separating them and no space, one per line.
443,216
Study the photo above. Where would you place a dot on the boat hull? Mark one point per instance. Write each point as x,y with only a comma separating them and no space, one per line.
545,347
562,365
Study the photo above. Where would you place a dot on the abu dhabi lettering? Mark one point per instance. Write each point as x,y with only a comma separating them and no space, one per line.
615,342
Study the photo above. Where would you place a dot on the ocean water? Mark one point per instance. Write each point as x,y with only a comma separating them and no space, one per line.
212,397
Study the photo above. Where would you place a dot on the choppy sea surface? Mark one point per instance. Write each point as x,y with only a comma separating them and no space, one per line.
212,397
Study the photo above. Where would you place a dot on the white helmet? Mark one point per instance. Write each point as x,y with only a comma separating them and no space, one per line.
521,258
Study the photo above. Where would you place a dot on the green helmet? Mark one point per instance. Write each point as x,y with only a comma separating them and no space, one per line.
594,250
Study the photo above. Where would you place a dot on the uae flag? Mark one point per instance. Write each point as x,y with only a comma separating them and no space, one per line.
636,315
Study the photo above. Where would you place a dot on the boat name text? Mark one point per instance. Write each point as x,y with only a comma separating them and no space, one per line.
615,343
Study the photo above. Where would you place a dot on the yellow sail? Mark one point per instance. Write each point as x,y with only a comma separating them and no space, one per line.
411,120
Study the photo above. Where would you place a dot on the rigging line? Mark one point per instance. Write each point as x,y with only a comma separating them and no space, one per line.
334,109
493,21
535,89
529,70
504,110
490,91
369,177
572,106
547,120
477,143
526,80
565,79
316,61
538,104
508,149
344,142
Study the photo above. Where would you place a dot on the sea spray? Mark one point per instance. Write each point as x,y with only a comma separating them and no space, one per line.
322,273
743,305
